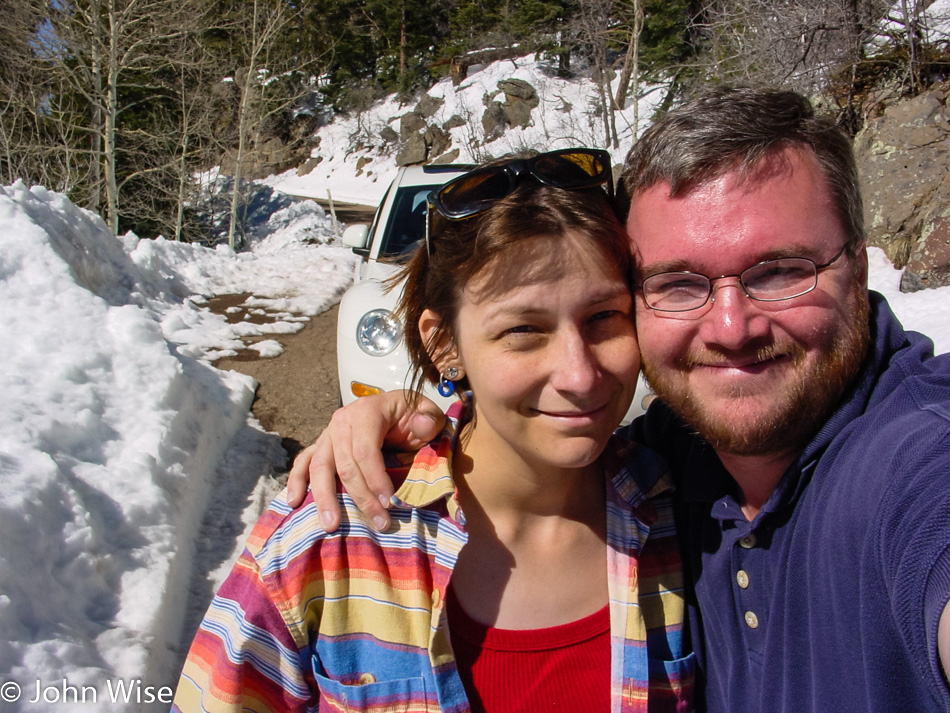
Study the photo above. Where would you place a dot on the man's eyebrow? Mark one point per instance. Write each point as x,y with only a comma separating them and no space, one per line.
798,250
656,268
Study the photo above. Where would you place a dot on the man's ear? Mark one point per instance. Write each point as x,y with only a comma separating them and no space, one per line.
441,349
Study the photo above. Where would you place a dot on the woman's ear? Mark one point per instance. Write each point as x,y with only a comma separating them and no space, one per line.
441,349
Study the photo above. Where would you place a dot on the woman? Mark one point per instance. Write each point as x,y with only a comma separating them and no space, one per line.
531,563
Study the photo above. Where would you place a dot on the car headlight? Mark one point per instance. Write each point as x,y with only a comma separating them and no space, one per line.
378,332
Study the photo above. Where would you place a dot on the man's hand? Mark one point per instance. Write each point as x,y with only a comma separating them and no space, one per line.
351,446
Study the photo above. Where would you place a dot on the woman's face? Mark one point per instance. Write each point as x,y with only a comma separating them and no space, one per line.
546,338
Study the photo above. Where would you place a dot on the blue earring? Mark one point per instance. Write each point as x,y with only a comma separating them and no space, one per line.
446,386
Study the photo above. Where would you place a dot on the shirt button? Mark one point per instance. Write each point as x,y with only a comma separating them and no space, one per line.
366,678
751,620
742,578
436,598
748,541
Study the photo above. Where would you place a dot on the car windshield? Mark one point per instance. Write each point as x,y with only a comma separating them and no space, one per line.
407,222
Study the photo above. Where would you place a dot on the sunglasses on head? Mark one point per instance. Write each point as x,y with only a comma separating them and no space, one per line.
478,190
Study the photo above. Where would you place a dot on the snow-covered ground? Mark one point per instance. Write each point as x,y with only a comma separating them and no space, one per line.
564,118
129,465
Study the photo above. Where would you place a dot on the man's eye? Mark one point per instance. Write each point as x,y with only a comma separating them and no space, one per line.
682,285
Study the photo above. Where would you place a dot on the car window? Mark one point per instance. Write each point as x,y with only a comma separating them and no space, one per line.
407,222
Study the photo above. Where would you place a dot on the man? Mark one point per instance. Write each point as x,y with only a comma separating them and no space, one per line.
808,433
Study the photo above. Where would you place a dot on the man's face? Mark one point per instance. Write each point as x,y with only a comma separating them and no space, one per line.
752,377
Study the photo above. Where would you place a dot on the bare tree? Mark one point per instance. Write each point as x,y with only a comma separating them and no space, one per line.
22,88
269,83
160,184
104,55
630,72
594,25
797,43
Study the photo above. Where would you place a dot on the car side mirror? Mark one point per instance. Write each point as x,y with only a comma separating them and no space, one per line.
355,236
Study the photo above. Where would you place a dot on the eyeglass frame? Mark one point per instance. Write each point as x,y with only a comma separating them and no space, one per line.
741,282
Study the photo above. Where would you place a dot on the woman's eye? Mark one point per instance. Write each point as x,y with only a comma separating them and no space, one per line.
607,314
522,329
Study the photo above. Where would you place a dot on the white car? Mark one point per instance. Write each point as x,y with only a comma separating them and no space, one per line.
371,356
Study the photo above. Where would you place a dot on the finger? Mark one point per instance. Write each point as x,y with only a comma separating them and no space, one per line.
299,476
322,474
356,438
426,423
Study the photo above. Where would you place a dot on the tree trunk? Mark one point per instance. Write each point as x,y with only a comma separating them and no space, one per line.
631,59
111,116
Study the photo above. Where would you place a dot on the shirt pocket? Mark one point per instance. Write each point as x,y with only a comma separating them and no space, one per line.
673,683
406,695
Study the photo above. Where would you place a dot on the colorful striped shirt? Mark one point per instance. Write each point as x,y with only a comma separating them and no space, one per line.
355,620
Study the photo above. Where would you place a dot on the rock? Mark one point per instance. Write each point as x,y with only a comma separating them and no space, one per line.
437,141
307,166
494,121
903,158
520,99
388,135
360,162
454,122
411,123
428,106
412,152
450,157
519,89
929,264
518,112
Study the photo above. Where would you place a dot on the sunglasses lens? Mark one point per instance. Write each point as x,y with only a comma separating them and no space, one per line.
474,192
570,169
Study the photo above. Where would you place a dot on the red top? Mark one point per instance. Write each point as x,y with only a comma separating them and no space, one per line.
562,668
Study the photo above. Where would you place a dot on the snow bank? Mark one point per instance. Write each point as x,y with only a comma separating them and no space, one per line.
114,429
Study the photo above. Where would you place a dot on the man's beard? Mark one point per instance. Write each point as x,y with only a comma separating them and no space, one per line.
795,414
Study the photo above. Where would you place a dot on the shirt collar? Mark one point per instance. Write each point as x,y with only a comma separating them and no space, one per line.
635,472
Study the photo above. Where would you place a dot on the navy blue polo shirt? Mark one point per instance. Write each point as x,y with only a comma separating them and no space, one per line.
829,599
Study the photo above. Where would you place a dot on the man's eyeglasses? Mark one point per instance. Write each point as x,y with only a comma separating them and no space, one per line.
768,281
478,190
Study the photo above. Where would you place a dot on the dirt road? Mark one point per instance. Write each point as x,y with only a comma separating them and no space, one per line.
298,389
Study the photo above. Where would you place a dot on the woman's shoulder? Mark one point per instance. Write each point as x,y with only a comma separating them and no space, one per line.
284,534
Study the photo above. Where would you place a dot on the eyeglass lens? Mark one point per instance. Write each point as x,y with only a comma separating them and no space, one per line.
769,281
568,169
477,189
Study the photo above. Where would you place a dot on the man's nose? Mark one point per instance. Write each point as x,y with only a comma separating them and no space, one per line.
733,319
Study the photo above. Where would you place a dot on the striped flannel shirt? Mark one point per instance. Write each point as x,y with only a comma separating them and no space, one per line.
355,621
